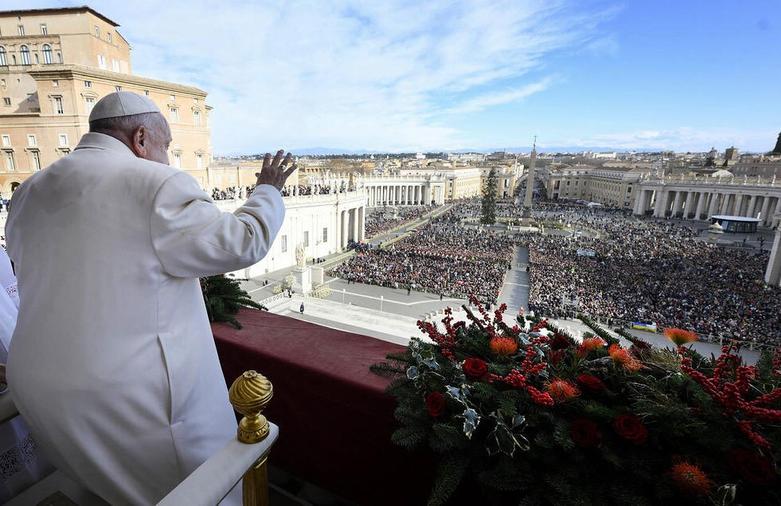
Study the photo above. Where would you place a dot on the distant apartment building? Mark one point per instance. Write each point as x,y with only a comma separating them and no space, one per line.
55,64
610,184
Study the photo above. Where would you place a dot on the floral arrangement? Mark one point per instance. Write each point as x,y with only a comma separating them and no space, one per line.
521,413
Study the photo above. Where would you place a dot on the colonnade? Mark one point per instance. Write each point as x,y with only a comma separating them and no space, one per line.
351,225
401,194
700,203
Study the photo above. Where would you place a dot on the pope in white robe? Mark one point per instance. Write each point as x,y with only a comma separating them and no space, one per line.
113,363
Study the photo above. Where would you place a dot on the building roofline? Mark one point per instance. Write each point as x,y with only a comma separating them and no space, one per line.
59,10
54,71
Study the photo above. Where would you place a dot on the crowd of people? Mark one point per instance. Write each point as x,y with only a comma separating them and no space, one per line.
242,192
382,220
629,269
232,192
440,257
616,266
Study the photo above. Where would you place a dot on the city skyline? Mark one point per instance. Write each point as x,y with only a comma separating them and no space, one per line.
397,76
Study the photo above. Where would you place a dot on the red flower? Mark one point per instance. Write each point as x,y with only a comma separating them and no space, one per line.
585,433
623,358
752,467
631,428
475,368
562,390
590,344
689,478
503,346
680,336
435,403
591,383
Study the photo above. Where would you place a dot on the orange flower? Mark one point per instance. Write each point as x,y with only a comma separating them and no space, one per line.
590,344
680,336
623,358
690,478
504,346
562,390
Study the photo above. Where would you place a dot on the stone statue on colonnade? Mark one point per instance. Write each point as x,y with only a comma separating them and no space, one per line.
300,256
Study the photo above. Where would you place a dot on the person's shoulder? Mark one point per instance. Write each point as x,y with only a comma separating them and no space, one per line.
159,172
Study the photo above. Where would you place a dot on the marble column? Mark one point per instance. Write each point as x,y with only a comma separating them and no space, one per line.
362,223
677,203
714,204
354,224
725,204
342,230
700,205
773,271
640,203
688,203
752,201
738,211
772,210
765,208
658,197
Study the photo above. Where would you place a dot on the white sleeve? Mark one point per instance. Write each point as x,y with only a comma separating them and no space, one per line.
193,238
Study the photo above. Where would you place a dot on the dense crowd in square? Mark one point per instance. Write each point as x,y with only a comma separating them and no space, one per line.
383,220
622,268
652,271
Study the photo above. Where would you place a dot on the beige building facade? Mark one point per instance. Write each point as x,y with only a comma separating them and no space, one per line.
610,185
55,64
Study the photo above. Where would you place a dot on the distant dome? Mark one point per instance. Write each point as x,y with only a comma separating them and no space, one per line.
722,173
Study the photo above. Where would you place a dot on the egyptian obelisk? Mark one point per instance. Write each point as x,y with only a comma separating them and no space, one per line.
526,216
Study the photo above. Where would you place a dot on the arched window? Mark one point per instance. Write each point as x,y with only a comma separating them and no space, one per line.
24,52
3,60
47,54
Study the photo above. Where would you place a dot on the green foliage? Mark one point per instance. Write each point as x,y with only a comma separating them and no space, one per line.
224,297
598,330
450,471
488,207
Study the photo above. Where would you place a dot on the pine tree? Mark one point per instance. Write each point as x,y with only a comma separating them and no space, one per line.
224,297
488,216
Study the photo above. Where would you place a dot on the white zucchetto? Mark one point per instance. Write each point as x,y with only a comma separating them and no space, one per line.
122,103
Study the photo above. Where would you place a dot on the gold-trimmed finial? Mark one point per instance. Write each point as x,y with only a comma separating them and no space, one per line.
249,395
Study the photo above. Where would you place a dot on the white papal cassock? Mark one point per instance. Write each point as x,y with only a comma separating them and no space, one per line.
113,363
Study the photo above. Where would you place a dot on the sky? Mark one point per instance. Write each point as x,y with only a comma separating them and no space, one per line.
397,75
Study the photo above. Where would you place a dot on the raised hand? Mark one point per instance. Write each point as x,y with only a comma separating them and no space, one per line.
275,171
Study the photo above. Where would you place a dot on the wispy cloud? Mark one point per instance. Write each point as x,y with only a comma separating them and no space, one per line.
384,75
349,74
499,97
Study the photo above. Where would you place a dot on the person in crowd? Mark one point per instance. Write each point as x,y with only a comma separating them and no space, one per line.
112,363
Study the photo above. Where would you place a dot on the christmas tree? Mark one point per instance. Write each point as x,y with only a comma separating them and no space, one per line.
488,214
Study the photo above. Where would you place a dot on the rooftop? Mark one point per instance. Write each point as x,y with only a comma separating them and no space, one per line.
58,10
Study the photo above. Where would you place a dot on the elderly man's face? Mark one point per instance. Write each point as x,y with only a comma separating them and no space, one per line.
158,141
